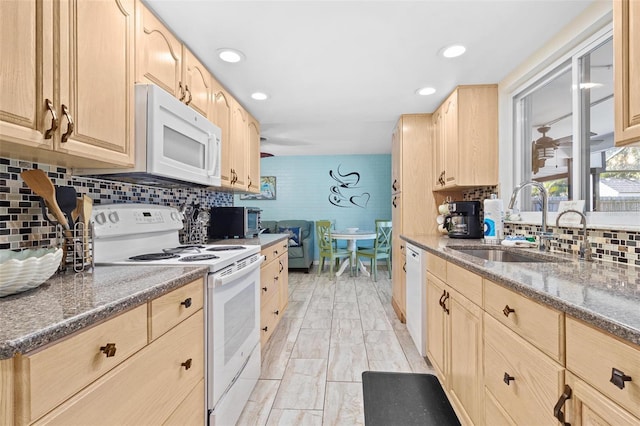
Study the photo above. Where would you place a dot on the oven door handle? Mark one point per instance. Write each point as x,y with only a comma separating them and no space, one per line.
226,279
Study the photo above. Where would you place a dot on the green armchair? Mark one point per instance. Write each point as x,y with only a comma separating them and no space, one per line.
301,256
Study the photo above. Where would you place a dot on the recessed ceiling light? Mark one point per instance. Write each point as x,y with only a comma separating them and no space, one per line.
230,55
259,96
453,51
426,91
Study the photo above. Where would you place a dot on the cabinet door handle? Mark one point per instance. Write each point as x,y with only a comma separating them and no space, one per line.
182,92
186,89
618,378
54,120
557,409
264,289
70,126
265,329
441,180
187,364
444,304
281,266
441,302
404,267
394,186
186,303
507,378
507,310
394,202
109,349
275,278
248,180
275,252
277,312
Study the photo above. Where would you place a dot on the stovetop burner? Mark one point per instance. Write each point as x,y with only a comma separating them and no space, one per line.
197,257
225,248
153,256
184,249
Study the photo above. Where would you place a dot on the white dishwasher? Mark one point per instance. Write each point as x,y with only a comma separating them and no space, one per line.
416,297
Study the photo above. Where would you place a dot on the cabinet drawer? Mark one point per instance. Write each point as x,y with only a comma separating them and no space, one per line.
172,308
465,282
59,371
156,373
191,411
269,280
272,252
541,326
437,266
537,380
593,354
269,317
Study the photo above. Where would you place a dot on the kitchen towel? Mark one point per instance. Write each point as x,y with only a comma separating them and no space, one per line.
405,399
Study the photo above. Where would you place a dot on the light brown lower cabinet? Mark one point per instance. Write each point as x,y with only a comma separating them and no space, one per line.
508,360
274,288
145,389
587,406
523,380
117,372
454,345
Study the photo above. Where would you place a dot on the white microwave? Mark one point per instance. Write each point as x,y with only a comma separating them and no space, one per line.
175,146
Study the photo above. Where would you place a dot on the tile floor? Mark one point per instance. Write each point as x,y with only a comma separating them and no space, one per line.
332,331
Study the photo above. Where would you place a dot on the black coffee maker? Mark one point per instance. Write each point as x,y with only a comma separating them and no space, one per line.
463,220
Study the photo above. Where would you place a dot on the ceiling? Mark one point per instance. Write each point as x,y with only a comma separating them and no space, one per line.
340,73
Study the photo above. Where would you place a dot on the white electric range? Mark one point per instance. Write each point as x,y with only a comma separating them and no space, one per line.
130,234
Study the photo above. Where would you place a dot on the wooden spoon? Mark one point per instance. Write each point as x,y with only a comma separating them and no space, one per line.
40,183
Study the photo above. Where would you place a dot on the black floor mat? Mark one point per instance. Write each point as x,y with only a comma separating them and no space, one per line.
405,399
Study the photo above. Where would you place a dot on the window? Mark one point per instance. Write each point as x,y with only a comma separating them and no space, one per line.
564,124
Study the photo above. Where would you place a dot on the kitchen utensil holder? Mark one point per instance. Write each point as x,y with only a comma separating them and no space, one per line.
193,232
78,244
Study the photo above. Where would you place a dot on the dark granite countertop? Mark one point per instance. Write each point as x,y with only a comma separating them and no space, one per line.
69,302
604,294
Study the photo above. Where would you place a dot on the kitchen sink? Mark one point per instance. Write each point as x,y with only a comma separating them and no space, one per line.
499,255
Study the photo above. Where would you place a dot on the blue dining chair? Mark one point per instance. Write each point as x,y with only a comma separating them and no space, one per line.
327,248
381,249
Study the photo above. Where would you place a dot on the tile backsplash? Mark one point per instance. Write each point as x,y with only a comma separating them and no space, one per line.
21,221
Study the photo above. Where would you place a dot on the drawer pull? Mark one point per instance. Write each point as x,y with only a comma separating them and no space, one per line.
275,278
557,409
187,302
264,289
507,310
618,378
277,312
187,364
265,329
109,349
507,378
275,252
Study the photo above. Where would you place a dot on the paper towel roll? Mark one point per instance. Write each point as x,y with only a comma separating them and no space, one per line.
493,218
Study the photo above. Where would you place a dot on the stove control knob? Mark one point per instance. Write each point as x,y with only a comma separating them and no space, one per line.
113,217
100,218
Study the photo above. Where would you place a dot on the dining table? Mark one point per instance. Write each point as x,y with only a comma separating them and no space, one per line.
352,236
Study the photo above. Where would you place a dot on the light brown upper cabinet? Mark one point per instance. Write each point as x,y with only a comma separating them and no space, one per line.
626,45
466,138
163,60
239,139
86,119
221,117
253,154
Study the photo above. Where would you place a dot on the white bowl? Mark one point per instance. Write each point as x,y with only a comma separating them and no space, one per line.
27,269
352,230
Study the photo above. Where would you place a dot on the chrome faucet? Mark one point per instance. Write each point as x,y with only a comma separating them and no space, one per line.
585,246
545,237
